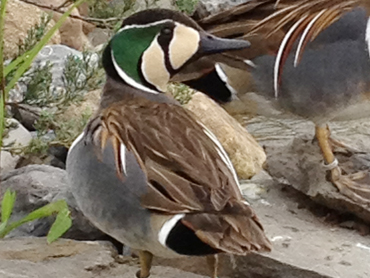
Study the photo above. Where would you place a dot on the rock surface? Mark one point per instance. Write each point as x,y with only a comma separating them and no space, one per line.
17,136
36,186
57,56
73,31
88,105
19,18
143,4
208,7
245,153
34,258
305,246
294,159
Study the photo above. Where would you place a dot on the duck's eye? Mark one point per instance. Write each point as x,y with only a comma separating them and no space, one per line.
166,31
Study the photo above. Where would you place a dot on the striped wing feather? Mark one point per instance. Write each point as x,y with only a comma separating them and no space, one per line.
268,23
185,173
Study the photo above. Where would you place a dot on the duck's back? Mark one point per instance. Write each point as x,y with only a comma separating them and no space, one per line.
332,75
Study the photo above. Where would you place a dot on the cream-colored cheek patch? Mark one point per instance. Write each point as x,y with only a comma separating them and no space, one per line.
154,68
183,46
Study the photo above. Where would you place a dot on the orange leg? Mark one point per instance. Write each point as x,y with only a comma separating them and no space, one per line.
212,262
355,186
146,259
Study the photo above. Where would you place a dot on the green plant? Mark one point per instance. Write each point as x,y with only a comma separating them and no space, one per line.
19,66
61,224
35,34
65,132
180,92
186,6
102,9
81,75
39,82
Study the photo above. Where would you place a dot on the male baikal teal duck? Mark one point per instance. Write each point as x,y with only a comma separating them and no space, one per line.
144,170
309,58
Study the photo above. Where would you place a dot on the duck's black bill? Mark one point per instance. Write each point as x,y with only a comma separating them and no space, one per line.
211,45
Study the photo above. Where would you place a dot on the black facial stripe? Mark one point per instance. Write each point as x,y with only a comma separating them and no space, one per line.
167,62
164,42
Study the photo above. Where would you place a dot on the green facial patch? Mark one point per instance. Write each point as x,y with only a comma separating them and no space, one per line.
129,45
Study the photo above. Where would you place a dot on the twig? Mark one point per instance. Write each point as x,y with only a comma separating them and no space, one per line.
63,4
99,22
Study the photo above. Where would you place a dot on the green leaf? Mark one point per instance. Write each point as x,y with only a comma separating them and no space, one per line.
2,228
62,223
2,79
44,211
13,64
7,205
32,54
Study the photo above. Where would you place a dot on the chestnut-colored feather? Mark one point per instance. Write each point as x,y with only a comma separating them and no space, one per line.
266,23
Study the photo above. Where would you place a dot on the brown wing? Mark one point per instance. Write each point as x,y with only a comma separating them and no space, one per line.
184,167
273,26
187,171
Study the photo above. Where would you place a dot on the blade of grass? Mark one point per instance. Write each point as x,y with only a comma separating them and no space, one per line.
32,54
7,205
13,64
2,77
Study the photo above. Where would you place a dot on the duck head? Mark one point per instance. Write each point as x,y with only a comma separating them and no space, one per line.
153,45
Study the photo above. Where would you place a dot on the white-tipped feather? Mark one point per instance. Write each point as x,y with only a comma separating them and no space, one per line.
250,63
304,35
167,227
280,54
123,159
367,38
78,139
224,78
222,153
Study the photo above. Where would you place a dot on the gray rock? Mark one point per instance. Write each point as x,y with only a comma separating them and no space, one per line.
209,7
99,36
304,246
36,186
144,4
294,159
8,161
26,114
57,55
34,258
17,136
